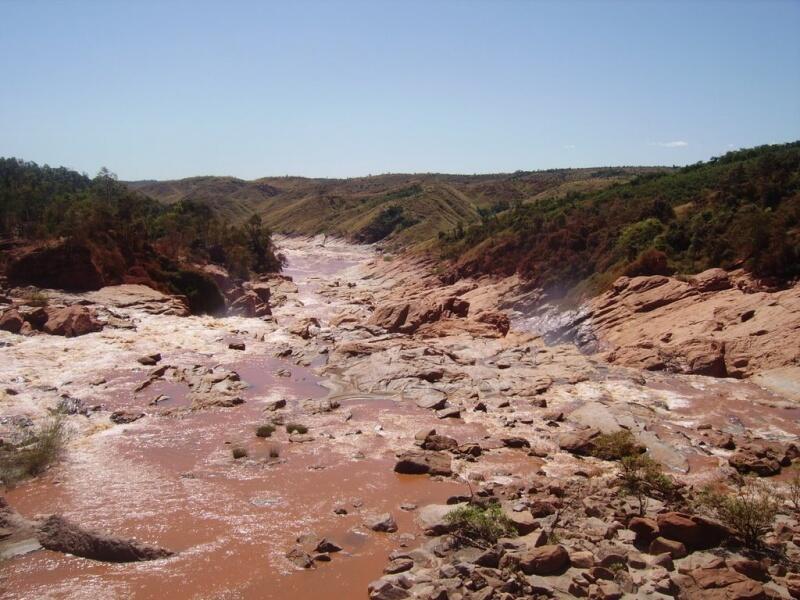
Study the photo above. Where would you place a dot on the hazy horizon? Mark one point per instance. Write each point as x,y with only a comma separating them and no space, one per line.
175,90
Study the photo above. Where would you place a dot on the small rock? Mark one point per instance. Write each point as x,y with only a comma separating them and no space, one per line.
516,442
384,523
300,558
399,565
122,417
452,412
382,589
149,359
674,548
582,559
273,405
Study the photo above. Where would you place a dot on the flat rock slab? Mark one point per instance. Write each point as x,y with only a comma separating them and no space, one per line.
18,548
596,415
784,381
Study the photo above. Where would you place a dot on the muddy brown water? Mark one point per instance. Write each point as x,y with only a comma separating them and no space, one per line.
170,480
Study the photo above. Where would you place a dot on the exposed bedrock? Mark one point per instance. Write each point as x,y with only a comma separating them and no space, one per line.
717,323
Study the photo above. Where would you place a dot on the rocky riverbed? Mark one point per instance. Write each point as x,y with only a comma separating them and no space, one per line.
412,396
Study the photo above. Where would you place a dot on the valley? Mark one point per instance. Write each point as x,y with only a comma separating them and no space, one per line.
356,351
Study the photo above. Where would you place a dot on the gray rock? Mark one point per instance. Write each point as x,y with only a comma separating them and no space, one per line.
384,522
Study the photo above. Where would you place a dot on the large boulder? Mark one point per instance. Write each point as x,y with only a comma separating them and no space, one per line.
694,531
384,522
383,589
433,518
581,442
722,584
248,304
71,321
439,443
544,560
408,317
416,462
760,460
696,356
646,529
262,290
140,297
57,533
11,321
711,280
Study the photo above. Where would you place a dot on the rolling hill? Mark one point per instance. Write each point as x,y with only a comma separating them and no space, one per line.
397,209
738,210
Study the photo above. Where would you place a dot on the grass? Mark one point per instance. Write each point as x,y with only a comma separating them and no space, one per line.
37,451
239,452
749,510
296,428
480,526
265,431
615,446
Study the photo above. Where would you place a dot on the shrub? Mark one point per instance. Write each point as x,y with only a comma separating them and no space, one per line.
296,428
614,446
34,453
479,526
638,237
749,510
642,477
239,452
649,262
274,452
37,299
264,431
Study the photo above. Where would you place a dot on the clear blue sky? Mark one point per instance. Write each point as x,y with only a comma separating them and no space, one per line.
173,89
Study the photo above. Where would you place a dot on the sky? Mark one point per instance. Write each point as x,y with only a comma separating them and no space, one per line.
169,89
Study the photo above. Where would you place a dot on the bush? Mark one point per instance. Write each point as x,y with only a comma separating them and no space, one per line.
34,453
649,262
274,452
749,510
296,428
794,491
239,452
642,477
478,525
638,237
264,431
37,299
615,446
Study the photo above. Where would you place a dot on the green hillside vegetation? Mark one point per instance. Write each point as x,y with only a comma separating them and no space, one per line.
741,209
397,210
40,203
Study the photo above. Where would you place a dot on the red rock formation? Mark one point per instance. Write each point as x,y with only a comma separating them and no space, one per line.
71,321
716,324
